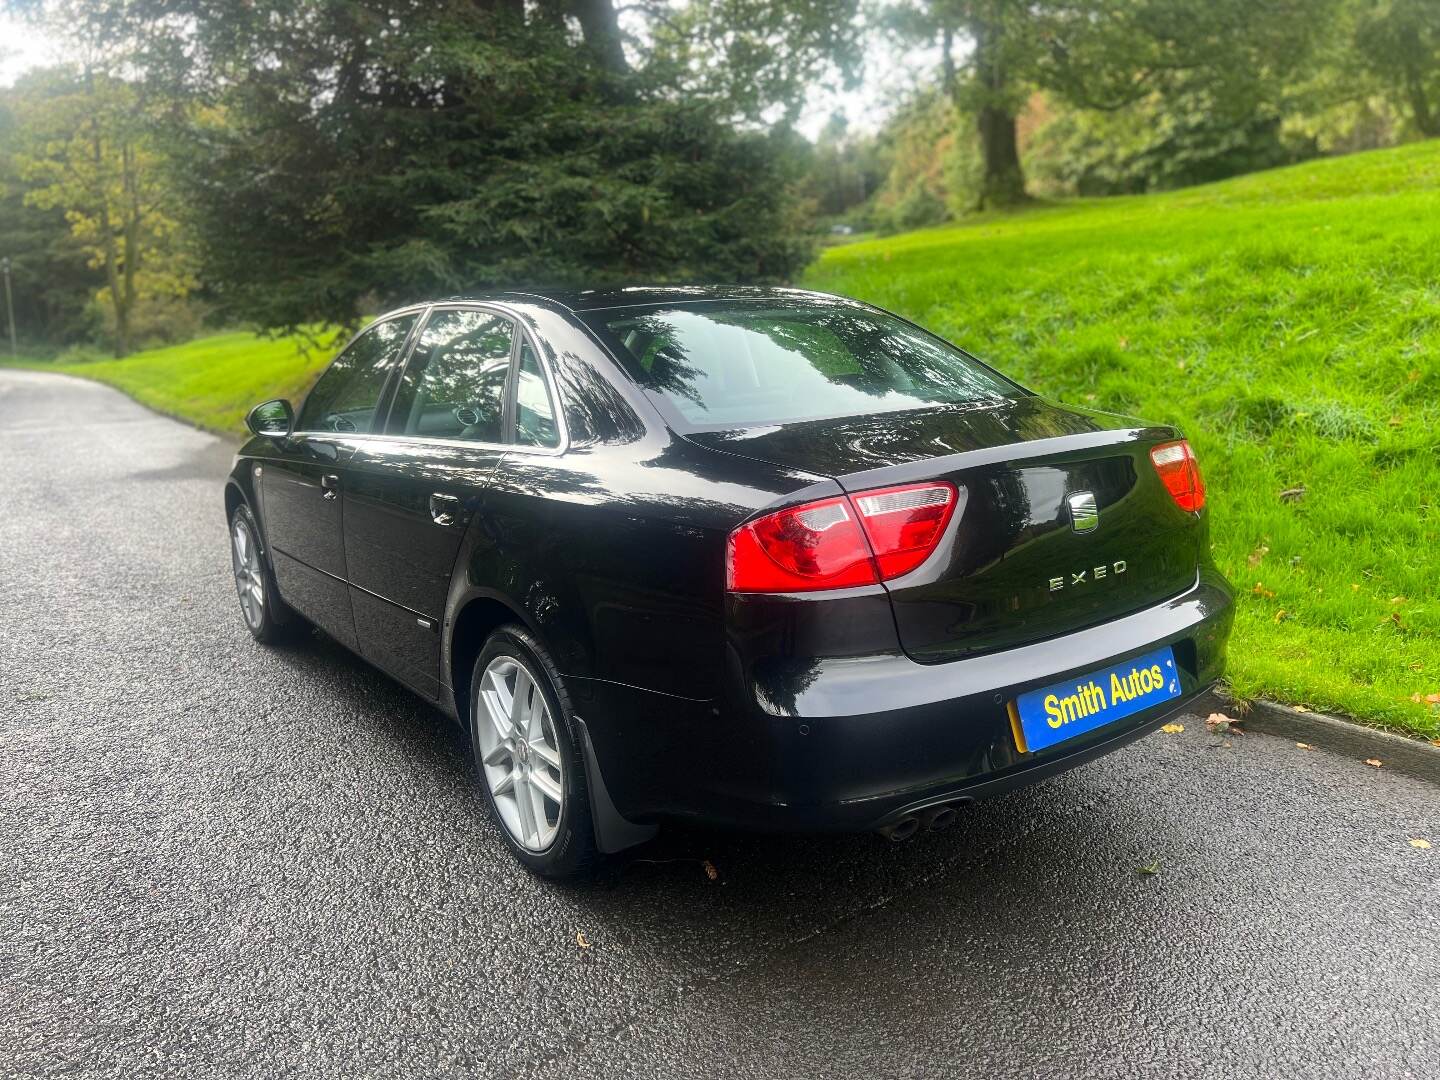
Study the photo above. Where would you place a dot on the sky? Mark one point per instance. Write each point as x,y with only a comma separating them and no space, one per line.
889,74
21,48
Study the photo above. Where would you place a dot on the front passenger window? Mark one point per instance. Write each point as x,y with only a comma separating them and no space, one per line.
345,397
454,387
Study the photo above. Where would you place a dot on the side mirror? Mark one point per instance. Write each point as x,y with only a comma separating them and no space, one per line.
272,419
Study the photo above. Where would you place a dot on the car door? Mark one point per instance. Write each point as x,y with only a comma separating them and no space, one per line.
300,504
412,493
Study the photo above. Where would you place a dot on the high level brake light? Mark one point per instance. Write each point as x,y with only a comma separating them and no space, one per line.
1180,473
841,542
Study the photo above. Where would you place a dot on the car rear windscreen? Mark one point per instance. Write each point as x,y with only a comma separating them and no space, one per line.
743,363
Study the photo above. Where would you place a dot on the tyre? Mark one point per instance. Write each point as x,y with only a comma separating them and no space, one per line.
528,756
266,616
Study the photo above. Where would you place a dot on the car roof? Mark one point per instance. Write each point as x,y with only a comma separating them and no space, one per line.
578,300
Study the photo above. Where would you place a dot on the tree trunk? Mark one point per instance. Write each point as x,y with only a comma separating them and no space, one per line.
131,226
112,257
601,27
1425,120
1003,183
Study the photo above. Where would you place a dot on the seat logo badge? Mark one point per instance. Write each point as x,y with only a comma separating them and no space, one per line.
1084,514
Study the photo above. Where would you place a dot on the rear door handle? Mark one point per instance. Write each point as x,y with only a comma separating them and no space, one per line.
444,509
331,484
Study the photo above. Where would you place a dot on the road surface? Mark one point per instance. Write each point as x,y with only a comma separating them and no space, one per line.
222,860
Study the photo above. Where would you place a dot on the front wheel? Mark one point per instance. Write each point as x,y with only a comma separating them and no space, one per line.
526,753
266,616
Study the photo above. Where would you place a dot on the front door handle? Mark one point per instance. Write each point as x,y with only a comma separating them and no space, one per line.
331,485
444,509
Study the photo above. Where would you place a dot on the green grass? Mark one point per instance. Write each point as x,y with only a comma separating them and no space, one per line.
212,382
1289,322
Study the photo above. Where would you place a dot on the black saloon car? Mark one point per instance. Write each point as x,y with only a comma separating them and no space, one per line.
768,558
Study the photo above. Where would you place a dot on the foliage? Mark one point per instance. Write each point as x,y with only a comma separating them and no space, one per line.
51,280
1106,55
844,170
1157,144
335,156
932,170
1289,322
1398,42
81,148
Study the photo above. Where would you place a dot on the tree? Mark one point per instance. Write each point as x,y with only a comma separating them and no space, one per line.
86,153
1100,54
335,155
51,278
1398,41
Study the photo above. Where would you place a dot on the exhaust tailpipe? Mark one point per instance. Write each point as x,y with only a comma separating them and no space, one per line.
940,817
901,830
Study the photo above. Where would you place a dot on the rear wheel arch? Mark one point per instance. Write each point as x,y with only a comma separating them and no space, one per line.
474,621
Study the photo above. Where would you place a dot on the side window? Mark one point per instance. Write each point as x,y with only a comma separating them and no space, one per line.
534,411
345,397
454,385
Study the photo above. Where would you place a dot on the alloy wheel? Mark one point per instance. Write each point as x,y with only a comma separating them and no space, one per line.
249,578
519,753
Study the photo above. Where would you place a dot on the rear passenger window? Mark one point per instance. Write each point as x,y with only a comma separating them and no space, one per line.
345,397
534,410
454,386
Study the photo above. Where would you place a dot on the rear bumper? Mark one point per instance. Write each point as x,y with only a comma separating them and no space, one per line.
857,742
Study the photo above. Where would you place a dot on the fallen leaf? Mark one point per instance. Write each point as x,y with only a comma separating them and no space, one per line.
1152,867
1300,708
1263,592
1414,376
1395,618
710,871
1375,761
1304,746
1397,421
1124,343
1281,615
1089,397
1259,553
1294,494
581,940
1172,729
1354,587
1397,599
1423,845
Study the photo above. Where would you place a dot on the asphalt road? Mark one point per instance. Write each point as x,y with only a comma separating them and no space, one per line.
222,860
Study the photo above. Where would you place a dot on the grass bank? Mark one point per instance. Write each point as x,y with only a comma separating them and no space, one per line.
1289,322
211,382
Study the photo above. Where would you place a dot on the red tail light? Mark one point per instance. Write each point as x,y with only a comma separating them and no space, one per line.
841,542
1180,473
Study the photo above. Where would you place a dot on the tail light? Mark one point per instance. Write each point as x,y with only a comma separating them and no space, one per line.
837,543
1180,473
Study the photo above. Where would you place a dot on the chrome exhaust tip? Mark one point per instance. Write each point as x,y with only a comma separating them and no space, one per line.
901,830
940,817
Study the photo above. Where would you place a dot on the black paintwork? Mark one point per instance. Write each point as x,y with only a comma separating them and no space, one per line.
810,710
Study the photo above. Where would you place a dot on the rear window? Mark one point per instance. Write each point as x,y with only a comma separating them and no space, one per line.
738,364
